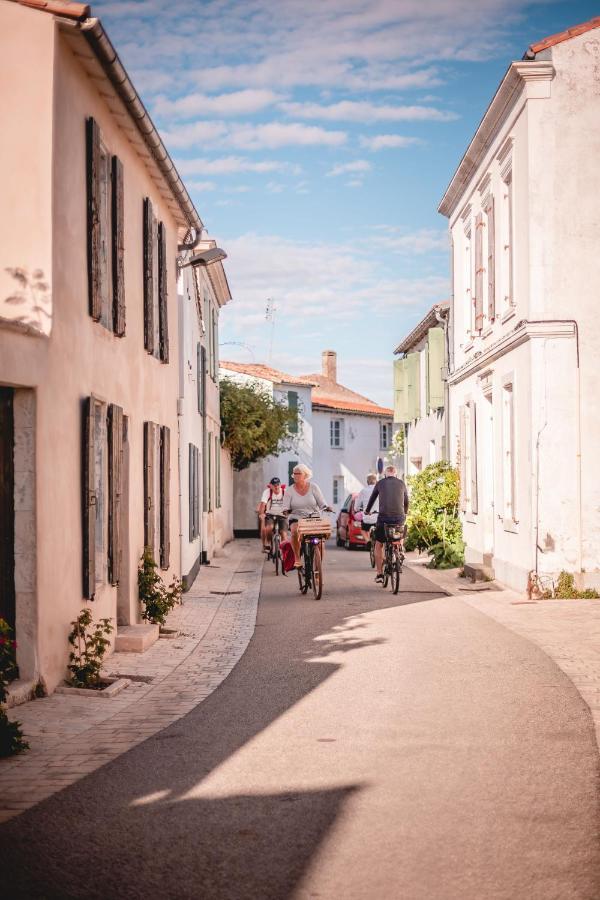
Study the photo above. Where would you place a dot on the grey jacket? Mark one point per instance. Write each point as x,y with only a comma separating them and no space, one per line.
393,498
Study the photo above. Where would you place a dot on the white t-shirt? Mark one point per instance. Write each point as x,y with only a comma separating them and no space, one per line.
361,501
273,501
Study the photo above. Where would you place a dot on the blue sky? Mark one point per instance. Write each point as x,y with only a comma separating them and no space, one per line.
316,139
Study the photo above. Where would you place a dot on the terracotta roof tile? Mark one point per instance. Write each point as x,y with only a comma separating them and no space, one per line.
332,395
564,35
257,370
371,409
59,8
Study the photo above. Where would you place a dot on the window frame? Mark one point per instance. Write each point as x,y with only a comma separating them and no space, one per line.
339,443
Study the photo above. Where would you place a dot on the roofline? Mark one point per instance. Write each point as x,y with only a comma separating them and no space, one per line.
291,379
378,412
77,16
516,77
561,36
422,327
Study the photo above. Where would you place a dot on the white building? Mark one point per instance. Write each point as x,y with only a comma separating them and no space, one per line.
524,373
420,391
350,434
205,473
249,484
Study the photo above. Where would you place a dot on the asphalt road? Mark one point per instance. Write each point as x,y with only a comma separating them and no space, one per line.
366,746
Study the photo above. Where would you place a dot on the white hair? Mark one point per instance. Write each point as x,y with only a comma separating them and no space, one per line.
302,468
390,470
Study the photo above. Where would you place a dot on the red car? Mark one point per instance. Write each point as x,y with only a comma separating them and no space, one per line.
349,533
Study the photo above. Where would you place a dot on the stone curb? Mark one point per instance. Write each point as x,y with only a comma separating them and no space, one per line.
70,737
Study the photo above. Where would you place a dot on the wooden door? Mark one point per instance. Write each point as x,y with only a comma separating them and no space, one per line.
7,507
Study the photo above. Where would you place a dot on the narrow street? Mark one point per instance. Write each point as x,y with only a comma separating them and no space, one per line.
365,746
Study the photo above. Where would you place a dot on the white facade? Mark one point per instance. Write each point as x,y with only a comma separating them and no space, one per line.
525,378
205,473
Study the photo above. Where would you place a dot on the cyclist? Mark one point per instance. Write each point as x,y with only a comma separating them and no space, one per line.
303,498
270,508
393,506
361,501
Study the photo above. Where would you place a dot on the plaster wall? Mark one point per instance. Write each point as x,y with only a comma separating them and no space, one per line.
81,358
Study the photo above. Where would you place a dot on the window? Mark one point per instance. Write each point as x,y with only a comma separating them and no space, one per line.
102,451
156,325
508,453
385,435
157,484
338,489
217,472
201,378
205,471
347,503
468,284
468,457
209,473
193,491
507,242
490,230
293,405
105,233
479,299
336,433
291,466
215,345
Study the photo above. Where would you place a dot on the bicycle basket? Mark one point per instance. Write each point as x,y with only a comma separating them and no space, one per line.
394,532
314,526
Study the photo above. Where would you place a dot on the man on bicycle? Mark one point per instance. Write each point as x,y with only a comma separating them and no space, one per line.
393,506
270,508
361,501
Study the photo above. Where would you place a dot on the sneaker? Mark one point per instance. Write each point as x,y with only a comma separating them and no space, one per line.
379,579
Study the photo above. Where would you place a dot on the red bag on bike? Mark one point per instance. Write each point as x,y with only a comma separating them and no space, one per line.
287,555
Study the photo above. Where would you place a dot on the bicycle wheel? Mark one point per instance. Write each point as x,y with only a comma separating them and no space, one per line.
372,551
276,553
396,567
386,566
317,573
304,574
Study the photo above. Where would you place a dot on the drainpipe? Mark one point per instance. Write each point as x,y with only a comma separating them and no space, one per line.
443,321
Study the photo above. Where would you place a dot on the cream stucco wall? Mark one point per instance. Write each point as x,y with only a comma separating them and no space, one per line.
550,140
80,357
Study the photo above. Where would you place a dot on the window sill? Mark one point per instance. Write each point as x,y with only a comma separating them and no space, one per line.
468,347
509,314
489,330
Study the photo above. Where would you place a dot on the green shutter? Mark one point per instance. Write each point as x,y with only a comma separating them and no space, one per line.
435,363
400,394
413,368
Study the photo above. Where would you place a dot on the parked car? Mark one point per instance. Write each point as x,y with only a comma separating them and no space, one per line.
349,533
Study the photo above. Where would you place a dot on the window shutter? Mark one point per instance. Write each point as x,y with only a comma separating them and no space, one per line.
148,277
400,392
209,471
473,455
205,471
93,218
217,472
115,457
293,405
435,363
413,386
215,345
118,248
165,496
89,500
491,225
479,272
197,491
163,309
199,375
149,442
463,458
203,380
191,474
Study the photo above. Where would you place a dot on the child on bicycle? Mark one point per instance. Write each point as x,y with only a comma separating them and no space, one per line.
269,509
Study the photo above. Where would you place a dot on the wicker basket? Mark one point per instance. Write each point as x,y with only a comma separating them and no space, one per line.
317,527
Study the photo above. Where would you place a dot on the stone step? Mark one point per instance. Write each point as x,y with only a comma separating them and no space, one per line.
479,572
135,638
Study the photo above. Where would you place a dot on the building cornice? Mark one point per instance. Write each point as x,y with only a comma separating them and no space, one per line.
522,332
535,77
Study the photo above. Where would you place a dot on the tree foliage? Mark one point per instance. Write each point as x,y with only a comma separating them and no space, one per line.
156,598
253,424
433,522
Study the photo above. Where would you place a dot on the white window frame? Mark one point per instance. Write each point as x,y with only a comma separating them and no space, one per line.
509,499
385,435
336,441
508,242
468,282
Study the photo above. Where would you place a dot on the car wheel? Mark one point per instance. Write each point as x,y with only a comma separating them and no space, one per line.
339,542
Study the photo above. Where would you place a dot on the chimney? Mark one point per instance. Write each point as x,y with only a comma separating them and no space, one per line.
329,364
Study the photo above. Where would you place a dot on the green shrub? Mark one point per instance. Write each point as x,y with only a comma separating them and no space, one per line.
253,424
157,600
90,643
433,522
11,736
565,589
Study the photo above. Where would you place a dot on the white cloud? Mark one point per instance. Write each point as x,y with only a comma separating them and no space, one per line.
268,136
387,141
235,103
425,240
357,165
355,183
201,185
227,165
364,111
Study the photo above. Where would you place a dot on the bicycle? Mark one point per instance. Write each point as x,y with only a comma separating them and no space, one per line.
393,556
275,551
372,545
310,574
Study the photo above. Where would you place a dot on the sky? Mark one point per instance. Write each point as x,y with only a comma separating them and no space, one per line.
316,139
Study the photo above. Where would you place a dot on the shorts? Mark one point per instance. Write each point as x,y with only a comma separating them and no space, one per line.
381,523
273,517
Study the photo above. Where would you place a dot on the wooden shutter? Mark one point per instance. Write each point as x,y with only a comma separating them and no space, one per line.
204,472
473,455
215,343
203,379
435,363
191,474
89,499
93,218
148,277
199,375
118,248
165,496
413,368
209,468
217,472
115,469
463,458
197,491
149,502
400,392
478,300
491,260
293,406
163,309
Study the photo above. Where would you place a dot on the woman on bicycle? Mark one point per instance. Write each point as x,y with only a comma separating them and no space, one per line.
302,499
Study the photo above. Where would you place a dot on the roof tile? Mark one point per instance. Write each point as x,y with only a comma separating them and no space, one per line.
565,35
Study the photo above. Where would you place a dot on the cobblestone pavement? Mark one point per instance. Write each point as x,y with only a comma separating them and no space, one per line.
71,735
568,631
